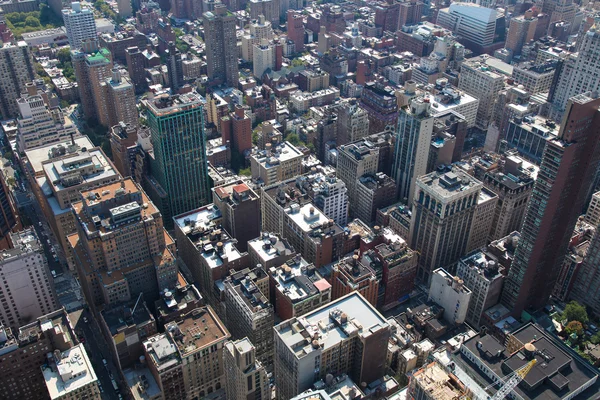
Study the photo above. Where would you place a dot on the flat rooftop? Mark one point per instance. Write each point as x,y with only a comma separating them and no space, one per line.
449,184
306,217
203,218
269,246
558,371
200,329
332,323
37,156
73,372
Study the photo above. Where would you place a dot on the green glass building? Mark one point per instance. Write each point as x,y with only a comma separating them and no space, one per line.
179,166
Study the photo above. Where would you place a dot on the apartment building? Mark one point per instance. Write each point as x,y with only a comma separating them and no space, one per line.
276,163
246,377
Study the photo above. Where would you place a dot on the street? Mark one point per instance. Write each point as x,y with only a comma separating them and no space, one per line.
97,350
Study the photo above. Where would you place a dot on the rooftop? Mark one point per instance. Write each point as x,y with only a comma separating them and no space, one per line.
37,156
558,370
70,371
200,329
330,324
298,279
448,184
164,104
282,152
122,316
269,246
437,383
24,242
306,217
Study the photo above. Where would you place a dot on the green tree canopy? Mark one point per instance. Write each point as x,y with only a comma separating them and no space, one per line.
575,312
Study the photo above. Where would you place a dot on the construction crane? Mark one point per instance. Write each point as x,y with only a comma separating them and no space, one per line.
512,383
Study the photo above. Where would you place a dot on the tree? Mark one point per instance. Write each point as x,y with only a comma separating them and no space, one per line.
10,181
296,62
596,338
294,139
575,312
32,22
245,172
63,55
574,327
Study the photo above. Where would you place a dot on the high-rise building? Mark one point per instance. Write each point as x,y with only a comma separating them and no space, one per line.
237,129
245,377
135,67
179,358
58,173
478,26
92,67
356,160
269,250
592,215
352,123
27,287
268,8
276,163
513,189
521,31
125,9
121,248
39,123
482,274
122,137
381,106
249,313
240,209
70,375
30,344
442,216
263,56
209,252
295,29
479,81
9,216
411,12
221,45
350,322
485,211
179,166
174,67
568,167
79,23
350,275
450,292
119,96
124,326
259,29
372,193
577,74
415,126
16,71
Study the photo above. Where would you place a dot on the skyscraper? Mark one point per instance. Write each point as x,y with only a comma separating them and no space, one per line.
221,45
179,166
26,285
135,67
577,74
92,67
16,70
79,23
245,377
174,67
415,125
295,29
119,99
567,169
120,248
520,32
443,209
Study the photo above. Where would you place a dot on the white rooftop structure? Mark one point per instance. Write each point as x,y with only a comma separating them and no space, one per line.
73,372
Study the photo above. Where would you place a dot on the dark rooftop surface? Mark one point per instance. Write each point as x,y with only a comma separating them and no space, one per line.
558,370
